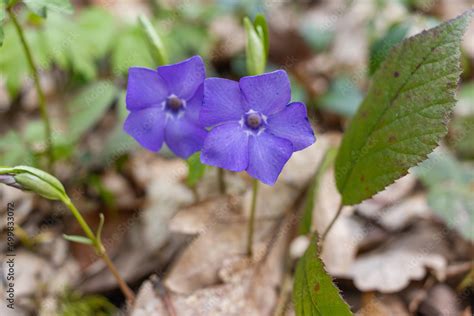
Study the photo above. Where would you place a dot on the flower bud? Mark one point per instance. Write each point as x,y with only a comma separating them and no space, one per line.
34,180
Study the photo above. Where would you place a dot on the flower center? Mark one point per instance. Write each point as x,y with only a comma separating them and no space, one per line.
173,103
253,120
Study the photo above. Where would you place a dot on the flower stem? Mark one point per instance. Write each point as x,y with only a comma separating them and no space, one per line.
100,249
251,224
220,178
39,90
331,224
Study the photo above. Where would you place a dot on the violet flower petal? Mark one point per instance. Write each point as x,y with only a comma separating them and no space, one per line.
267,156
226,146
292,124
147,127
222,102
194,105
268,93
184,137
145,88
185,77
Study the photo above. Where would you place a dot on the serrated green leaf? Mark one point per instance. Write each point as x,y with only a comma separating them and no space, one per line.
314,292
196,169
88,107
450,190
78,239
380,48
41,7
404,113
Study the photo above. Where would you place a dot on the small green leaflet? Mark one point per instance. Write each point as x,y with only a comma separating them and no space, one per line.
314,293
41,7
196,169
78,239
404,114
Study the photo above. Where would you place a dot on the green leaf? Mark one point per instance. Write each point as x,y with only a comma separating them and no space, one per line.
196,169
314,292
255,49
307,218
157,47
2,17
118,142
78,239
89,107
380,48
404,113
450,190
131,49
13,150
41,7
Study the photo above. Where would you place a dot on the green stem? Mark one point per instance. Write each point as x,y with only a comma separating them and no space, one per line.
220,178
331,224
39,90
251,224
100,249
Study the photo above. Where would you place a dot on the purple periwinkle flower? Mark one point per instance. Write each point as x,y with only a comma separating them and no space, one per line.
164,106
254,127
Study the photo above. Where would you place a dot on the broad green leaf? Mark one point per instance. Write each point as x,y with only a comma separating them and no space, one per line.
314,292
343,97
88,107
404,113
156,44
196,169
41,7
78,239
450,190
307,218
380,48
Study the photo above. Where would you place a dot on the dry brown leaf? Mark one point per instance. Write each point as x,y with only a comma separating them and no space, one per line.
391,267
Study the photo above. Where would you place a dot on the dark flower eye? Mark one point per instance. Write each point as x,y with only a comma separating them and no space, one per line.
253,120
174,103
